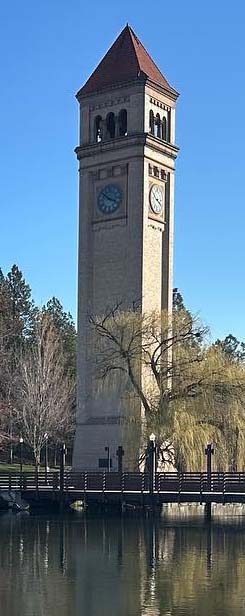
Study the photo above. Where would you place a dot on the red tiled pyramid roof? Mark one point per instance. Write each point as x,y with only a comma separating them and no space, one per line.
126,60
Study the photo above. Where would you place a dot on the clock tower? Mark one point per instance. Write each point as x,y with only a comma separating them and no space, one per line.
126,160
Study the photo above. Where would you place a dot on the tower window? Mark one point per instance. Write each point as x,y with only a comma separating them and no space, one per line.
122,123
98,129
163,175
151,122
157,126
110,125
169,126
164,128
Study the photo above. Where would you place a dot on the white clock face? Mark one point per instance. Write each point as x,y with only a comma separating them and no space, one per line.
156,199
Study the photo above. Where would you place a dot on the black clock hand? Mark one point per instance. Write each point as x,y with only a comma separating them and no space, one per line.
109,198
158,201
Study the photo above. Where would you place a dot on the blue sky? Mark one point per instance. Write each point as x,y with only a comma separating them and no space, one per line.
47,50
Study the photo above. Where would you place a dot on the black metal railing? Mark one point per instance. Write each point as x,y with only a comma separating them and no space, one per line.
128,482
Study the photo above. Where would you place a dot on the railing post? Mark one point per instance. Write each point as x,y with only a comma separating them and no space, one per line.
180,481
122,490
66,481
200,484
23,482
123,483
55,480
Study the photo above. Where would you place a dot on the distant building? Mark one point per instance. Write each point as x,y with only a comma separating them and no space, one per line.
126,162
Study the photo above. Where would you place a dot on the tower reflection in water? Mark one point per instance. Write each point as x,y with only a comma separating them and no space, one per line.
128,567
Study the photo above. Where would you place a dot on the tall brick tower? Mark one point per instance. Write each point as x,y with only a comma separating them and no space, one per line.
126,162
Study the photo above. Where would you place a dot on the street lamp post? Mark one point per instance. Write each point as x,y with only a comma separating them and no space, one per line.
46,457
11,438
152,463
209,451
62,473
21,454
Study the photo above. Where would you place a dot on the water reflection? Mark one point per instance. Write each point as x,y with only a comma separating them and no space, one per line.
129,567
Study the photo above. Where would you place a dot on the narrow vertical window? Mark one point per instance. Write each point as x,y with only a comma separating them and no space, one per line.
110,125
98,129
164,128
122,123
151,122
169,127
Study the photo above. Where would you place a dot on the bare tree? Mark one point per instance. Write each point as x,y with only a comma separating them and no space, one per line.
189,390
44,399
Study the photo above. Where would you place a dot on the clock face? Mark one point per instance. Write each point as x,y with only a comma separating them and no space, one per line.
109,198
156,199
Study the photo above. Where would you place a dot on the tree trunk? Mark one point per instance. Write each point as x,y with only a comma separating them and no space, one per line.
37,459
55,456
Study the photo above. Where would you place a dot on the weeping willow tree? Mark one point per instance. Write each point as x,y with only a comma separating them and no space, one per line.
190,391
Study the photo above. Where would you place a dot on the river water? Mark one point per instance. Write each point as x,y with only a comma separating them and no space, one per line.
81,565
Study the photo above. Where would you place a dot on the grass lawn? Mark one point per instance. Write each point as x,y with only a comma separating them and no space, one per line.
26,468
16,467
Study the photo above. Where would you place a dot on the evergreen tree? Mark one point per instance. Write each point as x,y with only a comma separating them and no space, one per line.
5,350
178,302
65,327
18,318
232,348
180,309
16,325
16,306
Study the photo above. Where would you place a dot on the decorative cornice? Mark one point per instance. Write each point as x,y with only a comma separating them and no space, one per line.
173,94
157,103
110,102
117,86
169,149
109,172
91,149
155,171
